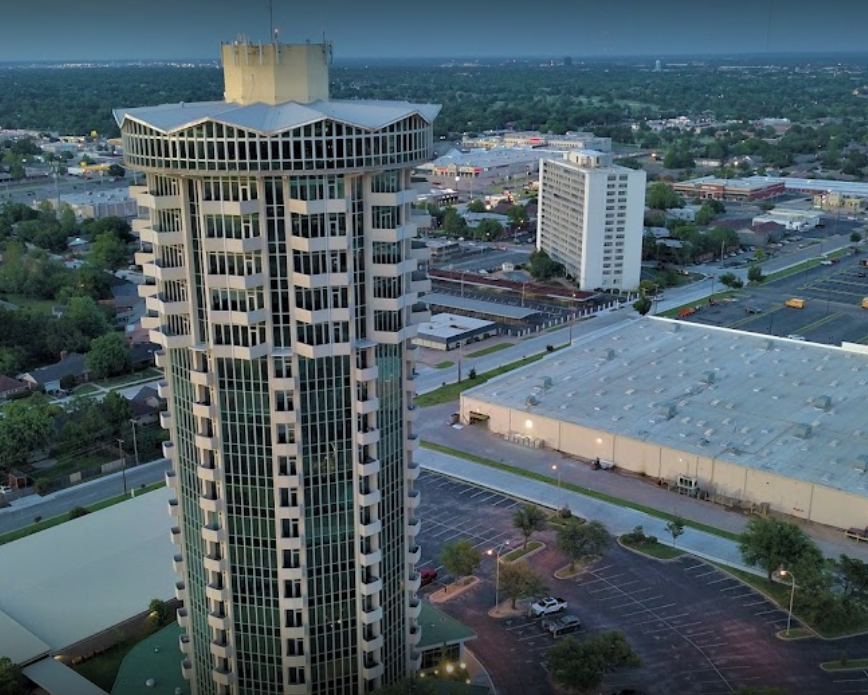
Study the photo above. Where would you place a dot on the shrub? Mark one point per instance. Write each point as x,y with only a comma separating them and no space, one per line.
43,485
77,512
550,348
472,373
565,512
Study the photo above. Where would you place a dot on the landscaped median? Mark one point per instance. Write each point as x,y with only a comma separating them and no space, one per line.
43,524
451,392
587,492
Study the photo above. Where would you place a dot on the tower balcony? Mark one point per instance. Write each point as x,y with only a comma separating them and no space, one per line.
178,564
415,661
414,497
164,272
230,207
414,554
413,413
414,636
369,587
201,378
419,282
169,453
372,644
218,620
394,234
413,527
222,649
223,676
148,288
240,318
393,199
222,245
389,303
368,467
174,507
209,475
215,592
206,410
183,618
168,339
320,279
413,442
150,235
181,592
164,390
414,468
370,498
419,313
372,669
317,207
330,243
170,476
160,359
166,420
186,669
367,405
209,443
369,617
146,260
175,535
415,608
370,528
366,373
371,558
225,281
371,436
211,503
394,337
315,352
184,644
214,563
394,270
414,582
284,417
211,533
145,199
321,315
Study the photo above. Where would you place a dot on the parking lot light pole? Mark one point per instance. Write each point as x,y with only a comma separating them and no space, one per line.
496,552
135,442
558,473
123,464
783,573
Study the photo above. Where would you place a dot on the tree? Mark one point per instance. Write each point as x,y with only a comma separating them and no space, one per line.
731,280
852,576
661,196
518,216
460,558
25,427
109,252
77,513
579,540
529,519
759,255
158,612
12,680
116,170
642,305
755,274
771,543
108,356
518,580
115,411
705,215
486,230
66,219
476,205
855,237
542,267
675,528
582,665
453,223
87,316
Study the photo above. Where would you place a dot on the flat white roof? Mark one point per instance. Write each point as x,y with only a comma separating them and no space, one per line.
450,326
59,679
477,306
785,406
848,188
74,580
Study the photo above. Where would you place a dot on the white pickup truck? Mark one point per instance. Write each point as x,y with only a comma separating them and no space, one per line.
547,606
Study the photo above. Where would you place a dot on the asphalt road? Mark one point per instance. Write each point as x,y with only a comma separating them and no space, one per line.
22,512
697,630
30,191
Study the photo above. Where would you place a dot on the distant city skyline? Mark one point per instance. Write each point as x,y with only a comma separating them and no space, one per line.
161,30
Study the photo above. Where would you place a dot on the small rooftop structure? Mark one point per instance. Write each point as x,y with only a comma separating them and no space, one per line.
448,331
479,307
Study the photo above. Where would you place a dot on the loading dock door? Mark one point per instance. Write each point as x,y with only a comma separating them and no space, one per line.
478,417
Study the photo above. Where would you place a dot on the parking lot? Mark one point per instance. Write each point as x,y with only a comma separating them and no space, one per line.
697,630
832,313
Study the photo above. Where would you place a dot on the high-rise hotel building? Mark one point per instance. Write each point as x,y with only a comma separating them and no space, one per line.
282,283
590,218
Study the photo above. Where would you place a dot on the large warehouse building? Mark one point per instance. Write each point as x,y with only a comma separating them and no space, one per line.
760,420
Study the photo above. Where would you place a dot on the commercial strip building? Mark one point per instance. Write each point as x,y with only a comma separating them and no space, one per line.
568,141
280,264
473,172
736,190
590,219
448,331
765,422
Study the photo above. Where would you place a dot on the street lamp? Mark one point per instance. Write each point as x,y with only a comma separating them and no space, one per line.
135,442
123,464
783,573
558,473
496,552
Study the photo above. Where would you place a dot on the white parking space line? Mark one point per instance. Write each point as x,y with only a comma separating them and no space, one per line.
693,635
713,644
629,615
755,603
480,492
733,587
605,588
713,570
623,584
771,610
696,566
722,579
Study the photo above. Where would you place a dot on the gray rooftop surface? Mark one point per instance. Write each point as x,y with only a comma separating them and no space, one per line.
268,119
477,306
74,580
737,396
450,325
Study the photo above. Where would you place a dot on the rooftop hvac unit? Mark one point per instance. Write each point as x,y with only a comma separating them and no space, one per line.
802,431
531,401
707,377
609,354
768,344
823,403
545,382
667,412
861,463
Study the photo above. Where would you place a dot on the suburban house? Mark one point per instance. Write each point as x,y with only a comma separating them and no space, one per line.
142,355
146,405
10,387
48,378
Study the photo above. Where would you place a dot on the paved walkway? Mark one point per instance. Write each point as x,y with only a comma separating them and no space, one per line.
476,440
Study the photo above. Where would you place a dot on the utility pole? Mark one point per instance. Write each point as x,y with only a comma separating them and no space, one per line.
135,443
123,464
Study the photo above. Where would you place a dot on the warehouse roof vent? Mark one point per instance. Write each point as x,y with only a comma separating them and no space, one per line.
802,431
861,463
609,354
531,401
667,411
822,403
545,382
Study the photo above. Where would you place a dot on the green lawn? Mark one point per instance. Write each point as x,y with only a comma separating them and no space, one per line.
576,488
451,392
71,464
848,664
57,520
86,390
657,550
42,305
488,350
127,379
519,553
445,364
804,265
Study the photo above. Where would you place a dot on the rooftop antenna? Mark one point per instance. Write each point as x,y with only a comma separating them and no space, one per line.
271,17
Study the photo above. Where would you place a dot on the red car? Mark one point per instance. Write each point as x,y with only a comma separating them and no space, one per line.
428,575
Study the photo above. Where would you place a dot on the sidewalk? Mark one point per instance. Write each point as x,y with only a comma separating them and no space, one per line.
476,440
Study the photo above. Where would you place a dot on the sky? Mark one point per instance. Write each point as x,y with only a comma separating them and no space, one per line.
67,30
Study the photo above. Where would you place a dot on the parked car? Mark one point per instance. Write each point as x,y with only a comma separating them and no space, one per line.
548,605
428,575
561,625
